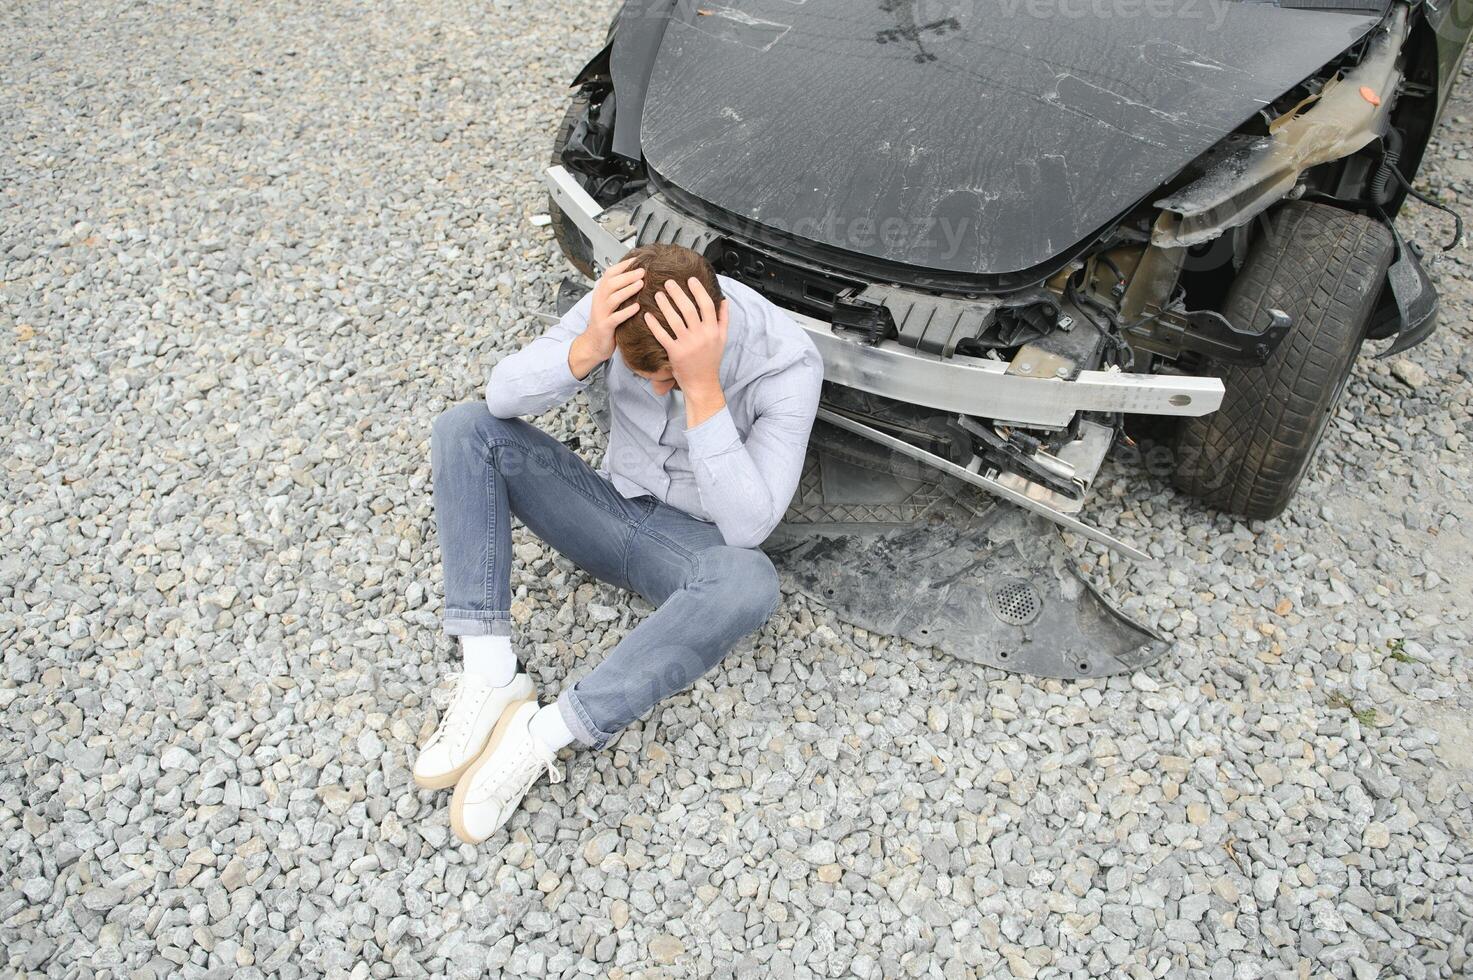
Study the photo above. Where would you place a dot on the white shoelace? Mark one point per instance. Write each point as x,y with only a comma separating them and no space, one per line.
520,773
457,721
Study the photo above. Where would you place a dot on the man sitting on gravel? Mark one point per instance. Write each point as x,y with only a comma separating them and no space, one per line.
712,398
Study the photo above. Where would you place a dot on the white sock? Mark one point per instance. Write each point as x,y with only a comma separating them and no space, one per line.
548,727
489,656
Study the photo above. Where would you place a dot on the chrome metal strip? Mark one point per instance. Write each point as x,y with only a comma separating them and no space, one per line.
580,206
986,483
982,387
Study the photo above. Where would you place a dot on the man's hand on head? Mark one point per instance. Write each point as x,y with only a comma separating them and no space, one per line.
694,343
614,289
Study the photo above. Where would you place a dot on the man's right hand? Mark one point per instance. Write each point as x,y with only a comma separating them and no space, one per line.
611,293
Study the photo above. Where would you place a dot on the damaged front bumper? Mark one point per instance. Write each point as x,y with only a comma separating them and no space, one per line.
975,386
1027,391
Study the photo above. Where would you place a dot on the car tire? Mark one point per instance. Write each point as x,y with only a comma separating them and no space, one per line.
574,244
1324,267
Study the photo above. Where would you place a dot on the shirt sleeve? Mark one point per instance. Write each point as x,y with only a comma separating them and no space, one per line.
746,486
537,377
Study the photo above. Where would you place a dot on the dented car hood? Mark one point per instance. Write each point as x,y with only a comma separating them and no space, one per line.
984,138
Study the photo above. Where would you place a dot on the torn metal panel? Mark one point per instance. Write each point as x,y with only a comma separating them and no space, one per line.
1155,274
992,486
1251,175
869,537
982,140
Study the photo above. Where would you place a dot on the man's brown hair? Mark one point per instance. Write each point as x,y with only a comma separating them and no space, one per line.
661,263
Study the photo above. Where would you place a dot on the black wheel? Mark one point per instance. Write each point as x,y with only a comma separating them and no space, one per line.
574,244
1324,267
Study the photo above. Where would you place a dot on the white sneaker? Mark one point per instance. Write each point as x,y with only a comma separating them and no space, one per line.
489,792
474,710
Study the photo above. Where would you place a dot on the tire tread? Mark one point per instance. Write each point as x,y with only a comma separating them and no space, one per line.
1324,267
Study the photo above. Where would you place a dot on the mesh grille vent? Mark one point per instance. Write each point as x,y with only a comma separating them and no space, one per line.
1016,602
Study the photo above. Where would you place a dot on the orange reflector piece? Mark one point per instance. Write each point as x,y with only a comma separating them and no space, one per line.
1369,94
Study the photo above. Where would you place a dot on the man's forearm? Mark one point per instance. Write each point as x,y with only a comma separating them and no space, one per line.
732,488
702,401
583,357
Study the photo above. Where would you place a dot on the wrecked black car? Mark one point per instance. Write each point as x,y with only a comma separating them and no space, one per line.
1009,225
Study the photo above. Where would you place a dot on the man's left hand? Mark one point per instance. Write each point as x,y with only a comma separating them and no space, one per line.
699,338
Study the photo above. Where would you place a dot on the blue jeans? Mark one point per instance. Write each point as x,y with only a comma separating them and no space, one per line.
708,595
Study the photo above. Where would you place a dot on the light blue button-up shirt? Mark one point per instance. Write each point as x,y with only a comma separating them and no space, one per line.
740,467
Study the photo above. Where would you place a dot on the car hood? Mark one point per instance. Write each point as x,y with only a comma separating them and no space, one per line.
965,137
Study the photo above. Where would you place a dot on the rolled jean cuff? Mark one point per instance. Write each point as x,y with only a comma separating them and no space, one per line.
473,622
576,717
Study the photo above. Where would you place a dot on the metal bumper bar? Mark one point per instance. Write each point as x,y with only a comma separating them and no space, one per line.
965,385
580,206
980,386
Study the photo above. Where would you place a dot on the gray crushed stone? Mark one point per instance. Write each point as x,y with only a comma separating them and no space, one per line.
249,252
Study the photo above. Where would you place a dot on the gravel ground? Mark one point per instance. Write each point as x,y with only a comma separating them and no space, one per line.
248,252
